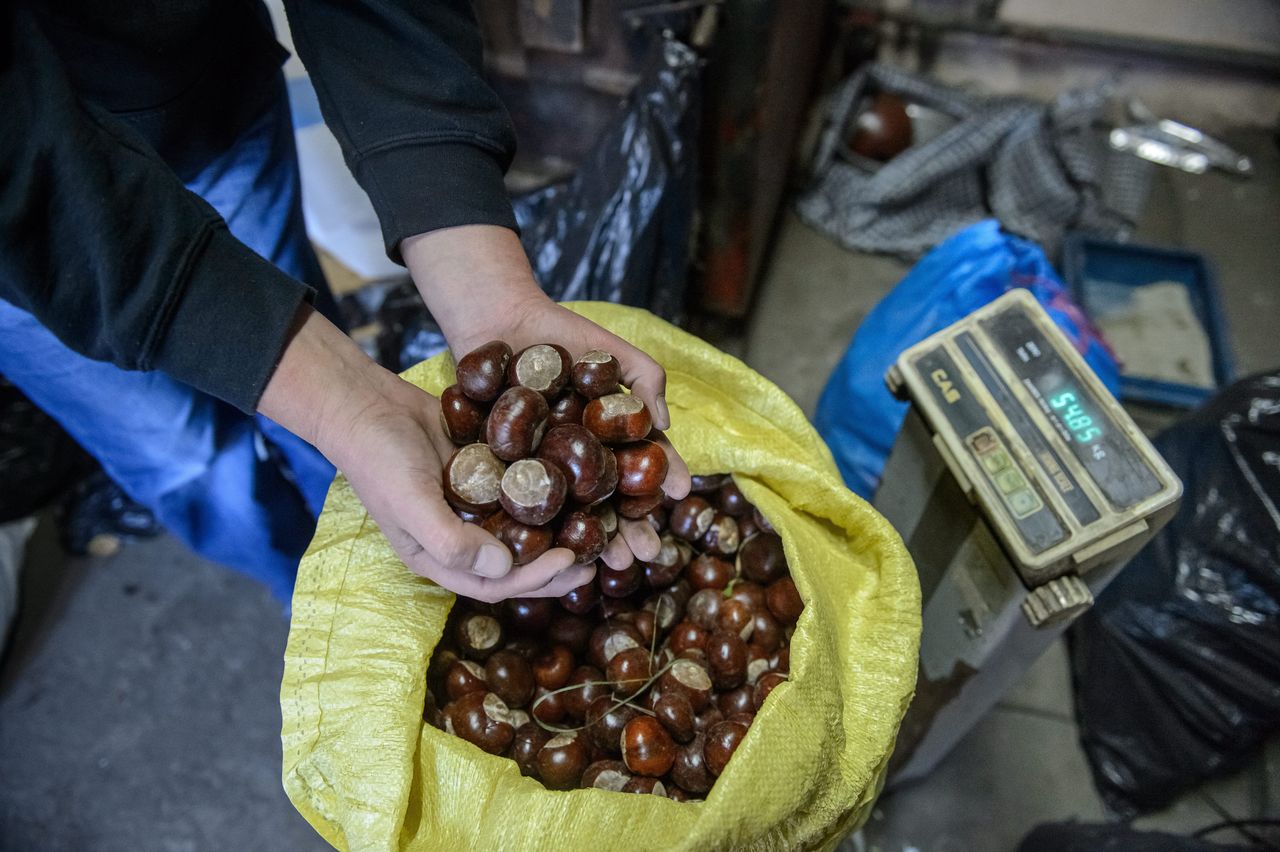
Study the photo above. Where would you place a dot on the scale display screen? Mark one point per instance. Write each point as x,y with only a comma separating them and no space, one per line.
1082,423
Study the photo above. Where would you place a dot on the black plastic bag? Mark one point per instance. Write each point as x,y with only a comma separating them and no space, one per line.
1177,666
1112,837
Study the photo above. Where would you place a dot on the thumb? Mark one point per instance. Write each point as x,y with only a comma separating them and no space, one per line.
452,545
647,380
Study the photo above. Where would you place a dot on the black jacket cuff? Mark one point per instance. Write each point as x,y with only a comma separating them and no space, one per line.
424,187
227,330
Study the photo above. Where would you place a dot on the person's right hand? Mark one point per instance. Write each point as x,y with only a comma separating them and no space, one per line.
385,436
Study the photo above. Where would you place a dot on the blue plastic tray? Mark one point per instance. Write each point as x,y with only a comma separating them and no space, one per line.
1093,267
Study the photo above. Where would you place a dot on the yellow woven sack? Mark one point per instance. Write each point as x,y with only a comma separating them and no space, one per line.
362,767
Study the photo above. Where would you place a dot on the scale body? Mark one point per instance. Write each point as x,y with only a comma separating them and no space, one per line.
1021,488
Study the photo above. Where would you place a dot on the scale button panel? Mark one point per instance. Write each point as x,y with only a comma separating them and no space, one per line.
1019,498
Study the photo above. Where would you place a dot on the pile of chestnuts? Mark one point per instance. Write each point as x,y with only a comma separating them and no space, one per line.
644,680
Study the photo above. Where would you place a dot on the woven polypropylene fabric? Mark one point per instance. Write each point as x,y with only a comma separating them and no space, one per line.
362,767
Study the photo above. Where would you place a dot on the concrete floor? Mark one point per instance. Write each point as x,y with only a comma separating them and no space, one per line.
138,699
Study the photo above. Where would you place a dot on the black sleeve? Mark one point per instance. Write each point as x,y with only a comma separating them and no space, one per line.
400,85
102,243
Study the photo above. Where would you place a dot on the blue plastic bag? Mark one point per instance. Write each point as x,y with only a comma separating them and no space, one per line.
857,416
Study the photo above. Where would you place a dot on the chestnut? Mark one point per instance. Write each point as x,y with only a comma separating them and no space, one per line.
510,677
482,719
729,500
543,367
709,572
526,543
461,416
687,635
736,617
642,468
746,527
678,794
738,700
637,508
584,534
516,423
608,483
758,662
562,761
581,458
596,374
647,748
762,523
570,630
619,608
469,517
675,713
784,601
609,518
619,584
689,770
606,775
761,558
583,599
744,718
431,713
566,409
519,717
552,666
766,631
764,686
548,706
528,741
722,741
608,640
665,610
532,491
664,568
689,679
629,671
589,685
478,635
463,677
482,372
528,615
706,483
721,538
618,418
781,660
473,478
726,659
605,720
704,607
646,622
708,719
691,518
644,784
751,594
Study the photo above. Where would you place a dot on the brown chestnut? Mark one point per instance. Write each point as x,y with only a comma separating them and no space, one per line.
691,518
482,719
690,768
528,615
510,677
758,662
562,761
464,676
704,607
526,543
637,508
689,679
709,572
583,599
618,418
566,409
665,610
609,518
726,659
762,523
570,630
736,617
552,666
605,720
606,775
619,584
751,594
761,558
532,491
706,483
687,635
765,631
730,500
478,635
665,568
596,374
482,372
608,483
642,468
738,700
746,527
784,601
721,538
645,622
584,534
781,660
581,458
589,685
645,784
608,640
629,671
764,686
722,741
516,423
657,516
675,713
708,719
647,748
529,740
543,367
473,479
548,706
461,416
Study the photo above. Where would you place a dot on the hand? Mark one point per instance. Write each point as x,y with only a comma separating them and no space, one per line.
478,285
385,436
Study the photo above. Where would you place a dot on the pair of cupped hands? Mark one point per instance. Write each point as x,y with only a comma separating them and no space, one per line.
385,434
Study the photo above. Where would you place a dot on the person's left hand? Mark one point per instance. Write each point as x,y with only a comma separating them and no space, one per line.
478,285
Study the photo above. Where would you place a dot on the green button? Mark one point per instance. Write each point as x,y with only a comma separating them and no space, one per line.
995,462
1010,481
1023,502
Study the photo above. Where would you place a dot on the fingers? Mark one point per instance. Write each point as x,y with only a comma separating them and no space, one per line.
647,380
575,576
549,572
617,554
677,484
641,540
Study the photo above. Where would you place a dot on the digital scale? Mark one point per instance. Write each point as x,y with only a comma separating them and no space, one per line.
1021,488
